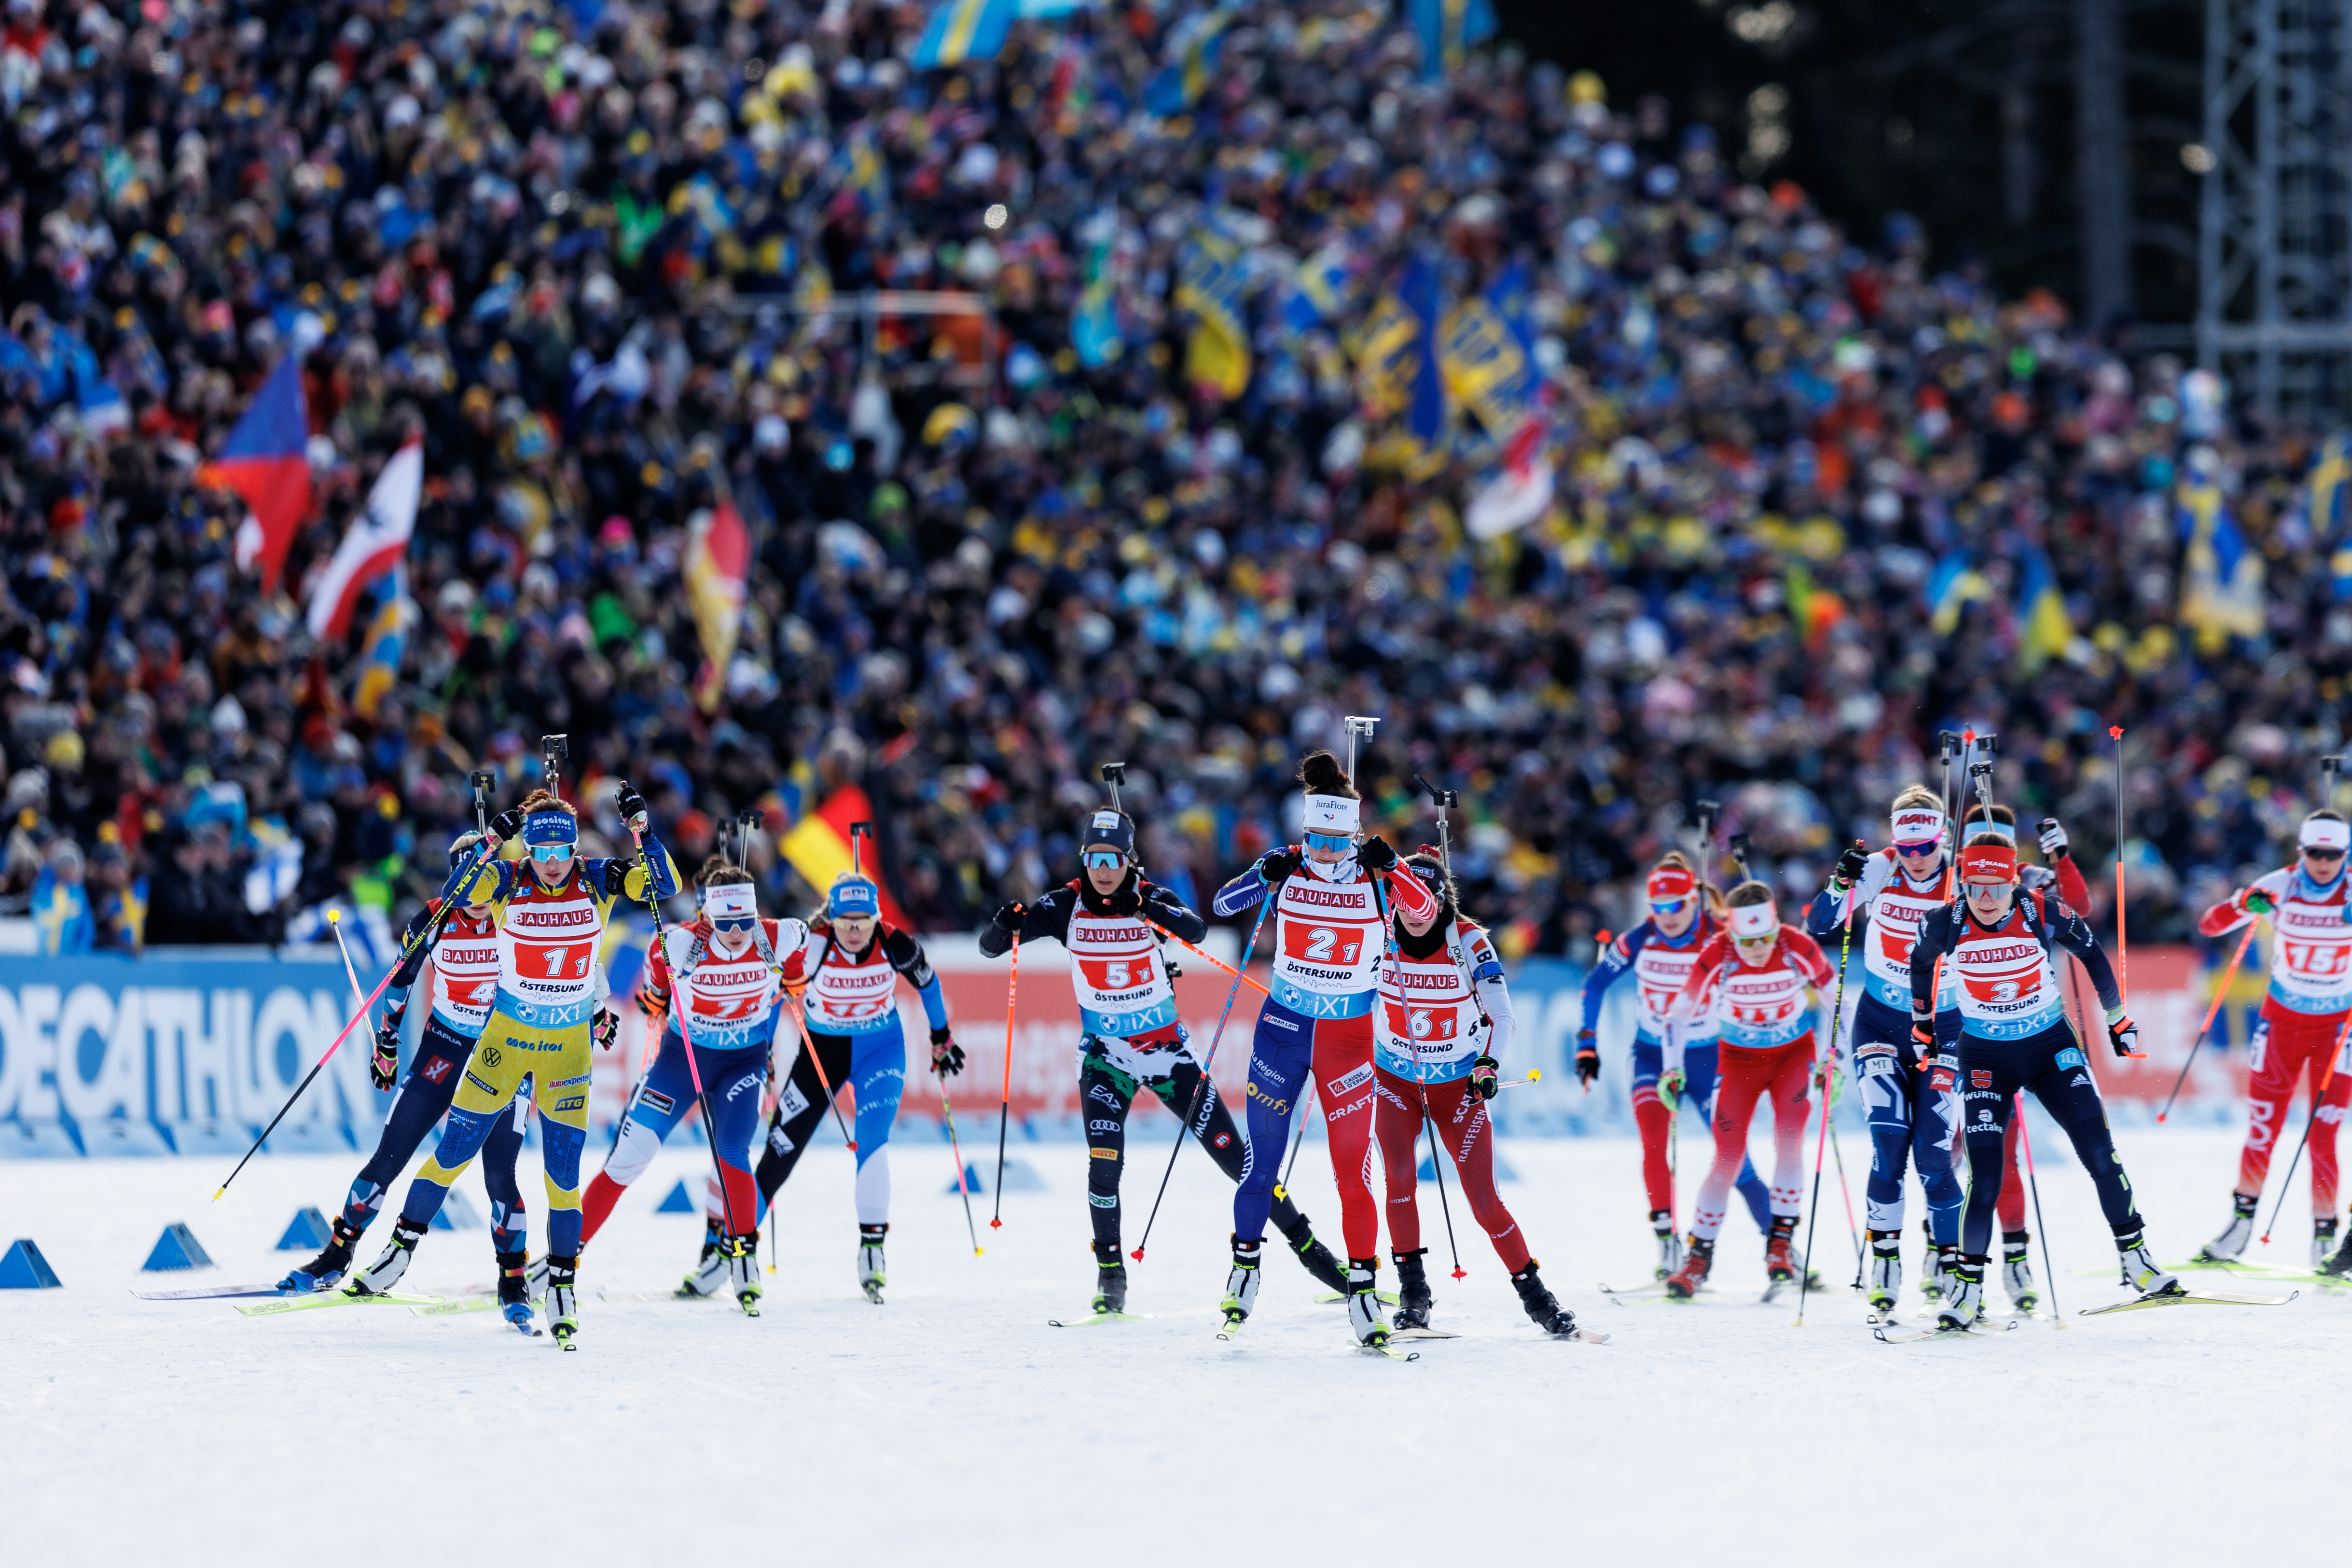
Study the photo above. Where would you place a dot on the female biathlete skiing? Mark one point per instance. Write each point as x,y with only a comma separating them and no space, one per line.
1315,1025
1659,952
1131,1038
2302,1020
550,921
1756,977
717,977
845,964
465,954
1998,945
1442,1025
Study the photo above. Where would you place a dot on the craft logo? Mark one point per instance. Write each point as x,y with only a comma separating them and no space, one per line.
438,1070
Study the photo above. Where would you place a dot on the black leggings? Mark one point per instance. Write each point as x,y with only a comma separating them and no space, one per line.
1106,1090
2053,1066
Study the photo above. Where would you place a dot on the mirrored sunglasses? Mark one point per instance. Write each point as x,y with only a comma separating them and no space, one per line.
1103,859
1668,906
551,853
2316,854
1338,843
1914,852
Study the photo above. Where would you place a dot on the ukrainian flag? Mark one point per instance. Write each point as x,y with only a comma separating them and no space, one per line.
1955,585
1486,358
2221,580
1209,283
2044,629
964,30
1448,29
1193,56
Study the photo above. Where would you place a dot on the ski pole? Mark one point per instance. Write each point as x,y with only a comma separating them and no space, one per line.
1535,1075
1004,1106
682,1004
1437,1158
335,924
961,1189
2034,1189
424,936
1837,1017
800,1016
2123,950
1201,1094
1240,978
2318,1099
2221,994
1853,1233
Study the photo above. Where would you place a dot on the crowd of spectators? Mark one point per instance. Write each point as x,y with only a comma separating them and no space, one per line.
604,258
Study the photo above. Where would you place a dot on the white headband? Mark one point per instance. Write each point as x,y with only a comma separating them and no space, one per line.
731,899
1916,825
1754,920
2321,833
1333,813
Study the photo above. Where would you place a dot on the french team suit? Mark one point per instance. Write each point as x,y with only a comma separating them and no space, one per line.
2015,1036
1314,1028
1130,1039
465,958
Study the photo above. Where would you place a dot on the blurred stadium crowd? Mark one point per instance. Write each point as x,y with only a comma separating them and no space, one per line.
1176,498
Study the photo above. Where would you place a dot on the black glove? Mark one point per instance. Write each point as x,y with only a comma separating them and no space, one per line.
1587,1056
2124,1035
1374,854
1159,898
1124,900
947,1056
1486,1076
630,805
383,1063
1849,866
507,823
1278,865
1007,919
606,1030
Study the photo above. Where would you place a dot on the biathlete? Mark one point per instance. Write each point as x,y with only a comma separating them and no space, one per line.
711,989
845,966
1756,976
1659,952
2301,1025
1131,1038
1999,945
551,922
1441,1030
1315,1025
465,958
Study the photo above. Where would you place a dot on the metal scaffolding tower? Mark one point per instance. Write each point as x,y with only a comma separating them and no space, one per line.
2275,258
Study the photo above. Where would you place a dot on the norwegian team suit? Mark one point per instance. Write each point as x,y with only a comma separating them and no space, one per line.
541,1011
2302,1019
1317,1026
2015,1035
731,1005
1131,1038
1442,1005
1659,964
851,1002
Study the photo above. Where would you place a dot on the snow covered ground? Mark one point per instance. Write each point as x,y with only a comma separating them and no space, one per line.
954,1421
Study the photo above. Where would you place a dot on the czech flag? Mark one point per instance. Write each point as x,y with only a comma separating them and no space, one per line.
818,847
266,462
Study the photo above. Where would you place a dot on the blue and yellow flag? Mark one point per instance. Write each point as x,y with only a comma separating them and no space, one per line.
1486,359
1192,48
1210,282
1321,290
386,645
1095,331
2221,579
1448,29
1396,354
1955,585
2044,630
2327,493
964,30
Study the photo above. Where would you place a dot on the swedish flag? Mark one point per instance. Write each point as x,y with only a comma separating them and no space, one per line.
1448,29
964,30
2221,579
1192,50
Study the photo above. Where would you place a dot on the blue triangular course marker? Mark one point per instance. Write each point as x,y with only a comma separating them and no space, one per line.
177,1247
1428,1171
307,1229
1018,1177
971,1182
456,1212
24,1269
679,1201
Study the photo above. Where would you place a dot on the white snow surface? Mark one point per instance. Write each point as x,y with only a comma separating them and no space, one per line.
954,1421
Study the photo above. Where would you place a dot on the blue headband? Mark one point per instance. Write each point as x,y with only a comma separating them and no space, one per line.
2007,830
851,895
551,827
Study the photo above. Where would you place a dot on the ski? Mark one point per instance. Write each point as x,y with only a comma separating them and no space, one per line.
1230,1327
216,1293
652,1296
2174,1297
1088,1323
1421,1334
1914,1335
1585,1336
462,1304
1380,1346
1332,1298
316,1298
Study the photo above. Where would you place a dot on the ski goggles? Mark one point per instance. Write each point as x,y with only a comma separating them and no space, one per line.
1331,843
733,923
551,853
1668,906
1103,859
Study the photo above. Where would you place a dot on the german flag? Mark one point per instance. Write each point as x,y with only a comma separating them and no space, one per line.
818,847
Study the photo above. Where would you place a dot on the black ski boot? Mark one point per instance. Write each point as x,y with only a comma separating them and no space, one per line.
1413,1299
514,1291
2340,1264
1110,1279
1315,1256
331,1264
1542,1306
